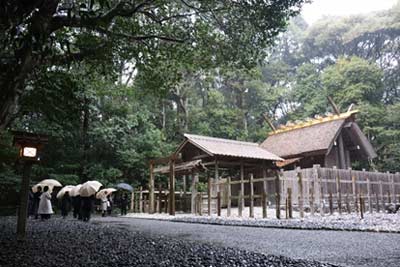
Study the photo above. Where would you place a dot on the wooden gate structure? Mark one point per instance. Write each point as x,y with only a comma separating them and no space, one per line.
202,154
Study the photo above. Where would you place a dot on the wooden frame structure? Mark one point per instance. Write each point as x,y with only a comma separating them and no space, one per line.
202,154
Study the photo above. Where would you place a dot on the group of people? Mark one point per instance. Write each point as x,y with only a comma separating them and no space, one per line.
82,207
40,203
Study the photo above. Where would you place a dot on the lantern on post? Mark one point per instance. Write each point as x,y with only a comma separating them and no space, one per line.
30,146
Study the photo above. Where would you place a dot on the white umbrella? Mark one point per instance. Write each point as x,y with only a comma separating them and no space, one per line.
105,192
75,191
89,188
65,189
51,182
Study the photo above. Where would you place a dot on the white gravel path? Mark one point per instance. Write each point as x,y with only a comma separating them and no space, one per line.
376,222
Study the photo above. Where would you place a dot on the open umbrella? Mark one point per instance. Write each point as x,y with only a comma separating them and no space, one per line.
65,189
51,182
75,191
89,188
105,192
125,186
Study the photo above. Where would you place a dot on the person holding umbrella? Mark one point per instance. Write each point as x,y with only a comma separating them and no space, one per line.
45,209
123,204
87,192
65,204
104,204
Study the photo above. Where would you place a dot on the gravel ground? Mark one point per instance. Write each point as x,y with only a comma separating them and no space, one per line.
375,222
114,242
344,248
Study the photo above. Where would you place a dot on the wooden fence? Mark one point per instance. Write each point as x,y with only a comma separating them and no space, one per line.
311,190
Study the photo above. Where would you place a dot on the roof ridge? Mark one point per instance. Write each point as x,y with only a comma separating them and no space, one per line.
313,122
220,139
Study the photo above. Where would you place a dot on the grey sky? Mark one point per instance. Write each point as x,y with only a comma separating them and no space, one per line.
317,9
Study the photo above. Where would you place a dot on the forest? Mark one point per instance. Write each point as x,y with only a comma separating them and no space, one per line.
107,115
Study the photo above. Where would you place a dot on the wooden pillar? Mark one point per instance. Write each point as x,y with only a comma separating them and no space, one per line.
172,187
381,193
216,175
242,182
318,175
338,191
141,200
151,188
184,193
195,179
240,207
277,195
368,191
393,192
342,157
132,201
251,197
301,195
289,200
264,204
23,208
159,199
354,189
219,203
209,191
265,191
229,193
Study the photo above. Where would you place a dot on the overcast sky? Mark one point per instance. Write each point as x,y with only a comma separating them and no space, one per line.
317,9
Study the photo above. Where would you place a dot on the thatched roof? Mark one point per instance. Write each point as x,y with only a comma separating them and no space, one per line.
225,147
316,137
303,140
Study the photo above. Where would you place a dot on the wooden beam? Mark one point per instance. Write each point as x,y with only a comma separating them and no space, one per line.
271,125
172,188
335,108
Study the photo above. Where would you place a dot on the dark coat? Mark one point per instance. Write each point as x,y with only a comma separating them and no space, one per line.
65,204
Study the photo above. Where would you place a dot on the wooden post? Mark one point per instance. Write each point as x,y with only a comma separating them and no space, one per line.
290,206
24,195
159,199
377,202
330,203
145,206
242,182
381,193
141,199
151,188
172,186
361,206
286,208
184,193
194,193
201,203
264,204
133,201
312,195
301,193
393,192
354,189
368,193
265,191
251,196
338,191
209,195
277,196
216,177
388,197
166,201
219,203
317,170
229,193
348,204
240,203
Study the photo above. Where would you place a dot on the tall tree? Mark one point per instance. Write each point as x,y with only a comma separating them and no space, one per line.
53,33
